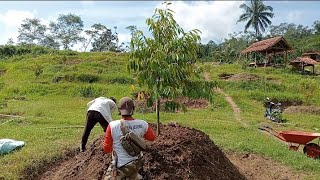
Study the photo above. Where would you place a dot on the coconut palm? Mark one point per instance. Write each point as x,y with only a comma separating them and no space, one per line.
257,15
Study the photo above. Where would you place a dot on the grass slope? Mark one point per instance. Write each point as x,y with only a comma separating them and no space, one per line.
58,97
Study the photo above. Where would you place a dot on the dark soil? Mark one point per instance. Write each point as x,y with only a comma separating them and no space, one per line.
239,77
179,153
225,76
287,103
256,167
303,109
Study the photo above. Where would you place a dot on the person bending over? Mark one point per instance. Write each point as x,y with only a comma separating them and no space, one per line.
99,111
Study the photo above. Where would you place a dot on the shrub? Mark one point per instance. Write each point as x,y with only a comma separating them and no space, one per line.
89,78
67,52
57,79
70,78
171,106
3,105
38,70
87,91
122,80
308,87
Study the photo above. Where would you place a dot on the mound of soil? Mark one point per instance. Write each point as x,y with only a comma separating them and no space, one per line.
303,109
286,104
179,153
239,77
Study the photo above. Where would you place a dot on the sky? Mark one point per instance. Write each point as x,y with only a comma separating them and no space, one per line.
215,19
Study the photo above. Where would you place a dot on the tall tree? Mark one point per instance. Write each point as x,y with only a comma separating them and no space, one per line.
104,40
316,26
256,15
31,31
67,30
50,42
164,62
132,29
95,32
10,42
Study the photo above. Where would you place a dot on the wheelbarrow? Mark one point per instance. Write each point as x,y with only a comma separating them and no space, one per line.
297,138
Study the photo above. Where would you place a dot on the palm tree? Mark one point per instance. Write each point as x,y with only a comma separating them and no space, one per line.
257,15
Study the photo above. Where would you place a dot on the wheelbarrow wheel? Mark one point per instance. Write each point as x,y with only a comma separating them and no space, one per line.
312,150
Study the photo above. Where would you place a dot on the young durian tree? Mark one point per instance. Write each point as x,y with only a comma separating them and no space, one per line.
164,62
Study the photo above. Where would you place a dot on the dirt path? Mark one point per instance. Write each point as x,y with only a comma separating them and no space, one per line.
235,108
257,167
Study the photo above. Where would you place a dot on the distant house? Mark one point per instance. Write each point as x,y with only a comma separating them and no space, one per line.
268,48
315,55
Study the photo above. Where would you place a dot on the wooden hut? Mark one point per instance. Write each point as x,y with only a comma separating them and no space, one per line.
315,55
269,47
302,62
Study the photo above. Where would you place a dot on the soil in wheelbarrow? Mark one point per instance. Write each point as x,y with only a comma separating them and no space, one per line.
179,153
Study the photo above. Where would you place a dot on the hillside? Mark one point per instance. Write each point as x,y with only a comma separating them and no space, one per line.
55,99
49,93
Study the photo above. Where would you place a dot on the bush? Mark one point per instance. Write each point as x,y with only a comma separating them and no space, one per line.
122,80
87,91
8,51
67,52
308,87
88,78
38,70
70,78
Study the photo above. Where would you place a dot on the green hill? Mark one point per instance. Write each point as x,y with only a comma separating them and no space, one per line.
50,93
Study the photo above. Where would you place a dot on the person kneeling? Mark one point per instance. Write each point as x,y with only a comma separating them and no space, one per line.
122,138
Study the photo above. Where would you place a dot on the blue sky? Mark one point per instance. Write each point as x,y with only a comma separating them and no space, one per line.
216,19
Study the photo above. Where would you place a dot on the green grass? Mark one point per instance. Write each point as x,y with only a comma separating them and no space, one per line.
46,103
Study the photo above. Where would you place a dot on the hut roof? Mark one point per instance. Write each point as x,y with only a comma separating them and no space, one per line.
272,45
311,53
304,60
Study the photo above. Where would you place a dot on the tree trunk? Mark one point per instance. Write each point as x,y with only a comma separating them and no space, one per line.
158,116
158,108
87,44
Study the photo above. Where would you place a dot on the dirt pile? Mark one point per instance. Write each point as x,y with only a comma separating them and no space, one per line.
303,109
179,153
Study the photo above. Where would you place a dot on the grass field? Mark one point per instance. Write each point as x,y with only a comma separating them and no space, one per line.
51,92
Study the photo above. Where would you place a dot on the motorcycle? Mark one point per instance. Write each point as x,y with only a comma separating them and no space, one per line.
273,111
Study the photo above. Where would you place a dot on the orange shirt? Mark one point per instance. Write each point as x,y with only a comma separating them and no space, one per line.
108,142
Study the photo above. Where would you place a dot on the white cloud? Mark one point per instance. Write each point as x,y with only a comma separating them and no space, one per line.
215,19
14,18
294,16
124,37
87,3
11,20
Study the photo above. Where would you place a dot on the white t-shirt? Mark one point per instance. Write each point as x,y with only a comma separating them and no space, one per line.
139,127
103,105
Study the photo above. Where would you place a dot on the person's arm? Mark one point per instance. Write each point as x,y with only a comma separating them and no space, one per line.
107,143
150,135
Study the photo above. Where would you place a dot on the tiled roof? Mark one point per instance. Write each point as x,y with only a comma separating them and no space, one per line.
311,52
265,44
305,60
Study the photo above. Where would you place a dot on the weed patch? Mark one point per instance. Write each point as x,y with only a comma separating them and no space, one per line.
88,78
121,80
